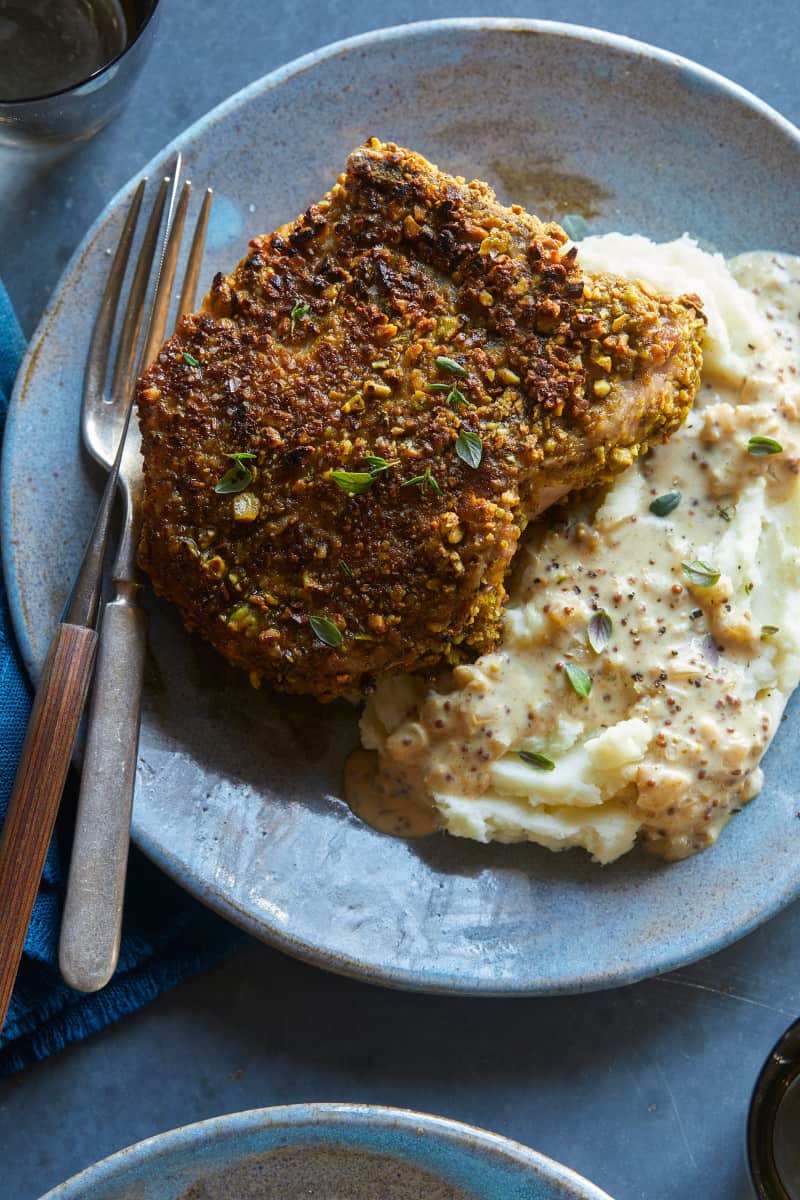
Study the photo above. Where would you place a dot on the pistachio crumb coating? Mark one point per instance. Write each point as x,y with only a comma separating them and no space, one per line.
418,371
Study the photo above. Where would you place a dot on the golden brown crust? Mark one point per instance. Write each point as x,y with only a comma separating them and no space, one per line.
567,378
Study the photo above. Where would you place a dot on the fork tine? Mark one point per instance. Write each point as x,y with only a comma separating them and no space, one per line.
83,603
135,307
186,302
160,306
166,280
99,348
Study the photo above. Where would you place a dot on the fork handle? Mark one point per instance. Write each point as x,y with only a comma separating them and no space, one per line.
92,920
37,790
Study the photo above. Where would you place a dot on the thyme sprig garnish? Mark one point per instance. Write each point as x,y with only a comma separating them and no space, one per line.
346,571
763,446
580,680
238,477
534,759
455,397
376,464
190,359
423,481
357,482
599,630
662,506
450,366
469,448
299,311
353,482
699,573
325,630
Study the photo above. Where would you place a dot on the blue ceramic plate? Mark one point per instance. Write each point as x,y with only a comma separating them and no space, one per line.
238,791
341,1151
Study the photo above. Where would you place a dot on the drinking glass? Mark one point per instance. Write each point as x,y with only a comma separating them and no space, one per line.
773,1127
55,40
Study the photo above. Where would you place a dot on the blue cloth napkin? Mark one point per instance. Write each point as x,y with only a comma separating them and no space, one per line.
166,934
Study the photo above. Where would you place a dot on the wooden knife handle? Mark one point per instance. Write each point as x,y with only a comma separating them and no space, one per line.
37,790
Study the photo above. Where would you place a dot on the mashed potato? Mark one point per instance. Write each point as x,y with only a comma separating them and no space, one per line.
682,625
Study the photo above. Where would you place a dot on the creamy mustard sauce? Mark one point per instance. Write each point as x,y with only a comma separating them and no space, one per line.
383,801
687,693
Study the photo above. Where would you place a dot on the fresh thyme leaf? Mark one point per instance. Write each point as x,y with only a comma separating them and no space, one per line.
235,480
299,311
377,464
455,398
541,761
238,477
423,481
326,631
725,512
348,574
662,506
763,445
353,482
190,359
768,631
469,448
450,366
599,631
574,226
699,573
439,387
579,679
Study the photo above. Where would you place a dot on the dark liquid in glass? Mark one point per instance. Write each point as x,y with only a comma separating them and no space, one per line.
786,1141
48,46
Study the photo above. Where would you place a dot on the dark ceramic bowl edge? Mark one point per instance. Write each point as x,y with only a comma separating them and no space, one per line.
326,1116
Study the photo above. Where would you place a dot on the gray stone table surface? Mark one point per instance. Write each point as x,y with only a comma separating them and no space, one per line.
645,1089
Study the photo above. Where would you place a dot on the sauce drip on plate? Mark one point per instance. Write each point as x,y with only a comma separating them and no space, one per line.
389,809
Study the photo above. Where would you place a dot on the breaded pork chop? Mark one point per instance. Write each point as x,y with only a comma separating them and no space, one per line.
342,448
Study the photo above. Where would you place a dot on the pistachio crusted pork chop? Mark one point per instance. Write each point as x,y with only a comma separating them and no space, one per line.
413,371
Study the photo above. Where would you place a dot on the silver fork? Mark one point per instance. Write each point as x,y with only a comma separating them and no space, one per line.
92,919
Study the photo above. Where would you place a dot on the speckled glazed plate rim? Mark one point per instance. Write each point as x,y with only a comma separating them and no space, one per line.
651,961
359,1127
